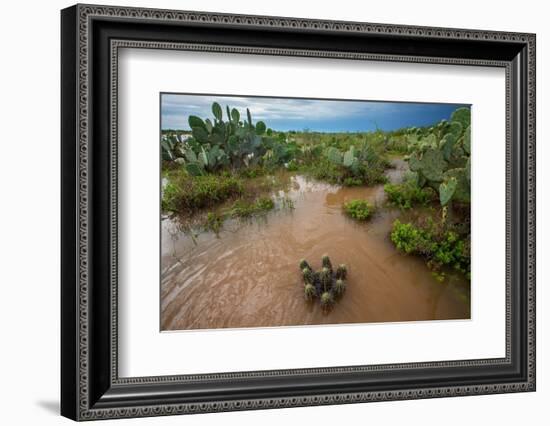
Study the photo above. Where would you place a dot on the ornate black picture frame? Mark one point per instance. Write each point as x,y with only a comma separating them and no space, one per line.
91,36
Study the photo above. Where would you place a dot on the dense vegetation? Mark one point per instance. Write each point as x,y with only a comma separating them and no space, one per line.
439,158
227,159
228,166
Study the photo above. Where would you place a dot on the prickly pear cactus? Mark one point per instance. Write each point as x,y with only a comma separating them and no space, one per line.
462,191
327,284
217,143
441,159
447,190
462,116
466,141
432,165
414,162
334,156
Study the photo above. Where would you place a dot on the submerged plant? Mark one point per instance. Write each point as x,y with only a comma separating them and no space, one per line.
358,209
326,284
214,222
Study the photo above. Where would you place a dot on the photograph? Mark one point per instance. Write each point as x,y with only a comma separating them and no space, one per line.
298,212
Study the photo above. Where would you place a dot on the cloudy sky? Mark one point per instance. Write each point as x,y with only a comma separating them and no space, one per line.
297,114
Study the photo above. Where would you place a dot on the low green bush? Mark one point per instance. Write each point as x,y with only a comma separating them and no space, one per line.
244,208
185,192
407,194
325,170
358,209
439,244
170,197
352,181
322,169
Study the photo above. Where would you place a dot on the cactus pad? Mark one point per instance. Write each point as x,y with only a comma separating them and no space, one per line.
414,163
462,191
432,165
462,116
447,190
334,155
466,140
217,111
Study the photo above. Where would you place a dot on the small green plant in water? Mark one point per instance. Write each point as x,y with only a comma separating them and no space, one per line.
327,284
184,192
214,222
244,209
358,209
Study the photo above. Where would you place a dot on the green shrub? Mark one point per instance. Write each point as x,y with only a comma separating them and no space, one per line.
360,164
322,169
170,196
358,209
352,181
264,204
407,194
396,145
437,243
244,208
186,192
252,172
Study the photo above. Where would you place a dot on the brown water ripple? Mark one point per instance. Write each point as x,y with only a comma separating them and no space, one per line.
247,276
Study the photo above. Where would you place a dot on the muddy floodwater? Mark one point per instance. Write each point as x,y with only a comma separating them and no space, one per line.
248,275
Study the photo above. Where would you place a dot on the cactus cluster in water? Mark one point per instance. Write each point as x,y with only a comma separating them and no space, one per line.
327,284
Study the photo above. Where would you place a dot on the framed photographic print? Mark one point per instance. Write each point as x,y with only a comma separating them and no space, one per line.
263,212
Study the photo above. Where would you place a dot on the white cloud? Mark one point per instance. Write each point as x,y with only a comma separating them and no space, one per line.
176,108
